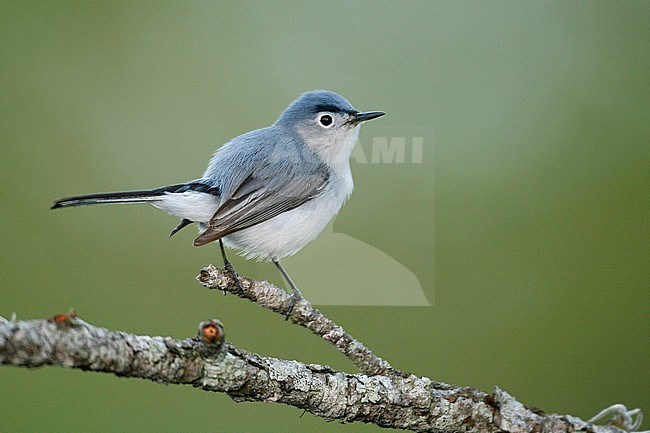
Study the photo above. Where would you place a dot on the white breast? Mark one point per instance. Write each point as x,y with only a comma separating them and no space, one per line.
287,233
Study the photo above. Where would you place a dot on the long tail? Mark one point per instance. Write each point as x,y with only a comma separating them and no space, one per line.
141,196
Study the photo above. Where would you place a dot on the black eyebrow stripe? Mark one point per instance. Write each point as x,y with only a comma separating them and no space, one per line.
331,109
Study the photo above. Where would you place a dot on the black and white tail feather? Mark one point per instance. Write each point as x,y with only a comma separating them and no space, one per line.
158,197
140,196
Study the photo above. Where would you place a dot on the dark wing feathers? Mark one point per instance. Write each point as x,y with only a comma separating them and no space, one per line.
262,196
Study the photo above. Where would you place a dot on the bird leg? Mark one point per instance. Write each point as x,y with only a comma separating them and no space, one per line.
297,294
228,266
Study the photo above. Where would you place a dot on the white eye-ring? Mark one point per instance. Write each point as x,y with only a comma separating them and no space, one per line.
326,120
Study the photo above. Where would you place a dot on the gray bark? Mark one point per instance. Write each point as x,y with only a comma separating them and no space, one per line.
379,394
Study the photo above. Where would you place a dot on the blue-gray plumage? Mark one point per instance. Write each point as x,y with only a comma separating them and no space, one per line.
269,192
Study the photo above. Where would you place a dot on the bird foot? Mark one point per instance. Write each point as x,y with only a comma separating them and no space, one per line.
295,298
228,267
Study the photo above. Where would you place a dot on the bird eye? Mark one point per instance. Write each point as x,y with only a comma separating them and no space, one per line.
326,120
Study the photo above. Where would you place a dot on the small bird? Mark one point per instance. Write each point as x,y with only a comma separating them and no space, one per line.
269,192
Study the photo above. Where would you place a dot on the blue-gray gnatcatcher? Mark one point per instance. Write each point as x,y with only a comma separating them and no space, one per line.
269,192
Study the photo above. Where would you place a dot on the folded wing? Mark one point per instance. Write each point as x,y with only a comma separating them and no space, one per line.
260,197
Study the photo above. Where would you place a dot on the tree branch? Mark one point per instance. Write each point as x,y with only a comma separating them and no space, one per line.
268,296
390,399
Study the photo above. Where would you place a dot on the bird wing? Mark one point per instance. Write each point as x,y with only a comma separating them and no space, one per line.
260,197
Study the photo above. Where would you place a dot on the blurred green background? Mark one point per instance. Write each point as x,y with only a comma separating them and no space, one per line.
526,224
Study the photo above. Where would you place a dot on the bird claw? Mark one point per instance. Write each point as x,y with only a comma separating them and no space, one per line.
228,267
295,298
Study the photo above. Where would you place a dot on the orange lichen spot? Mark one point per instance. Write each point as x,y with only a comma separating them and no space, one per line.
211,333
64,317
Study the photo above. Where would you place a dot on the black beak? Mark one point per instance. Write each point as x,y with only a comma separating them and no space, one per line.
368,115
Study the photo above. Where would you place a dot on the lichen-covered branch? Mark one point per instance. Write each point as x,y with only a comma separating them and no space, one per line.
208,362
303,313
